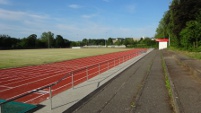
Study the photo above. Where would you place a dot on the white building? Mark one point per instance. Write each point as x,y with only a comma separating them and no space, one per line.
162,43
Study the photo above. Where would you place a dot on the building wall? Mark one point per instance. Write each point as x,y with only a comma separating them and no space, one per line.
162,45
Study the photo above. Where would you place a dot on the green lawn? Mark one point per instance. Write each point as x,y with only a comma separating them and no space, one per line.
18,58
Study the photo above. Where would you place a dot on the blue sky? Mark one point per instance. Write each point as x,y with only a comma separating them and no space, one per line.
78,19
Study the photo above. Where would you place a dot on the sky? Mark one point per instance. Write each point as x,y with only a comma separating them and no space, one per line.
78,19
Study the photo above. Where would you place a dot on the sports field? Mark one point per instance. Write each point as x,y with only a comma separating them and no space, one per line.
19,58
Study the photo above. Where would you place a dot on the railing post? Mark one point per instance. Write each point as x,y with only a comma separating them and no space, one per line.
50,96
87,73
98,84
72,77
99,68
0,109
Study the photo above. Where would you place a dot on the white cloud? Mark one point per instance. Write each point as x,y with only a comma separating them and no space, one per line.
88,16
78,31
74,6
10,15
91,29
24,23
4,2
19,15
20,24
35,16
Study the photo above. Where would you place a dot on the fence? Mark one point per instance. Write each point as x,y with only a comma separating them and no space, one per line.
76,77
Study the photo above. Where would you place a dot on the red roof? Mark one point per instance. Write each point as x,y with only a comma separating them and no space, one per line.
162,40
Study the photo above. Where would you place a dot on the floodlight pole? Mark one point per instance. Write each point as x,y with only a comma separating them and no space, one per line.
105,43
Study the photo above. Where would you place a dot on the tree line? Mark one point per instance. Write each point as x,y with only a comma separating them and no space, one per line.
182,25
48,40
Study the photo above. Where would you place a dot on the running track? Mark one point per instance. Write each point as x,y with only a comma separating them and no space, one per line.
17,81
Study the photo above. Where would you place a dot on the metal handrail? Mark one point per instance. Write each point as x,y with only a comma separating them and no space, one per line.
58,81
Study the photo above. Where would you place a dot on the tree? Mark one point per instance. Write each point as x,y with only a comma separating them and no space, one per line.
119,42
128,42
175,20
31,41
48,38
23,44
7,42
182,12
4,41
73,44
85,41
191,34
149,42
40,44
66,43
59,41
109,41
162,30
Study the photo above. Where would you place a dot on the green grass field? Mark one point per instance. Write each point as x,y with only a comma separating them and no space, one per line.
19,58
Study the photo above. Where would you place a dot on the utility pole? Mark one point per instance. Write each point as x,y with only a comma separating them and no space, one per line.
169,31
105,43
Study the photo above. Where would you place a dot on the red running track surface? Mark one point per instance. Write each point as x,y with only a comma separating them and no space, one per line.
17,81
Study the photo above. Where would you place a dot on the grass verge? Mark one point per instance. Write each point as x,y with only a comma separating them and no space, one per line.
167,83
194,55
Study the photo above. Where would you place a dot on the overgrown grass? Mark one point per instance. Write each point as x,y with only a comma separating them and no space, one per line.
195,55
18,58
167,83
